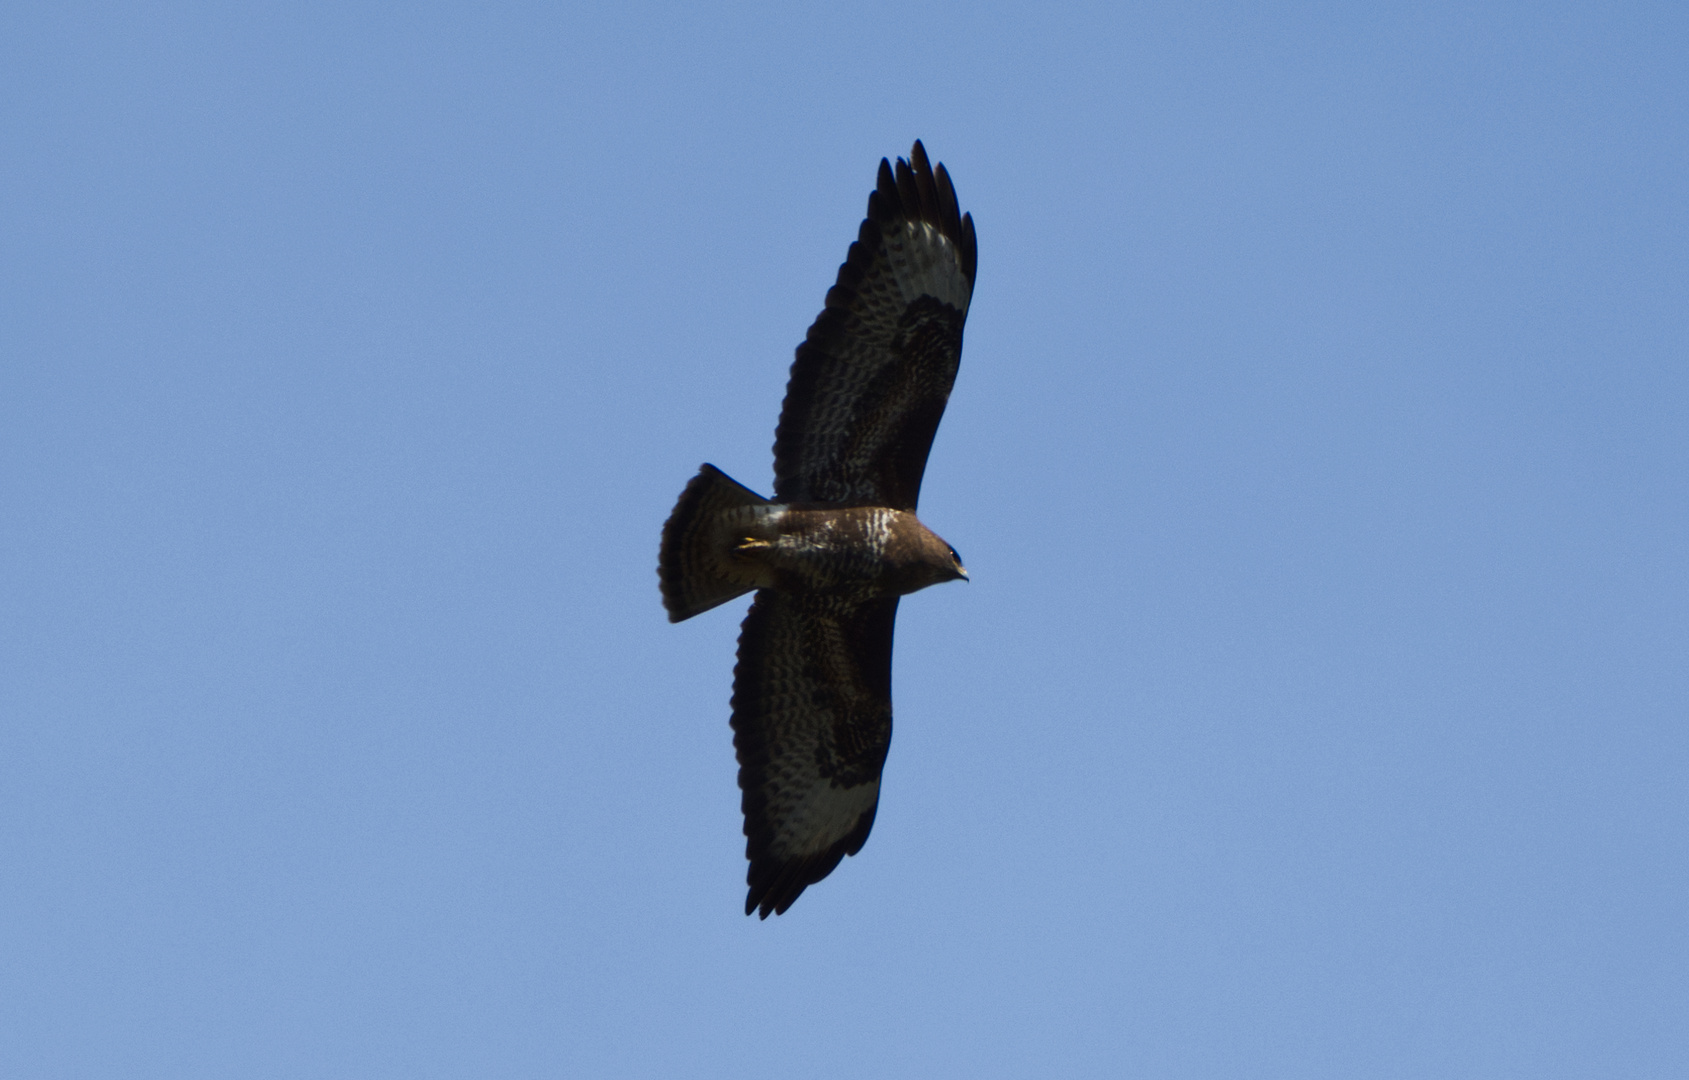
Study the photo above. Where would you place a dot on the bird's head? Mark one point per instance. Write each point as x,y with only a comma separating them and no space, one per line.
935,562
957,570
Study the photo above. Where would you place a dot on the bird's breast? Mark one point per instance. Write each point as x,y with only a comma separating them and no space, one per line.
852,549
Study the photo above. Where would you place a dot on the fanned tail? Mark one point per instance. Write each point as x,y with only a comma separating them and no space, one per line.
695,565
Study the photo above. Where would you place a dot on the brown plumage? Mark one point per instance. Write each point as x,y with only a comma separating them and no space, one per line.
839,543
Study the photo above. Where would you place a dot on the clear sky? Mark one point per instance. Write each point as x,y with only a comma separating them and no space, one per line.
1320,703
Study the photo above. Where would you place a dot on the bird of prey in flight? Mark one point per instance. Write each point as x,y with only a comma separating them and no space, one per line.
839,543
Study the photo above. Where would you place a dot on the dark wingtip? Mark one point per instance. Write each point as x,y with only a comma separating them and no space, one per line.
917,189
884,203
918,157
775,885
925,192
908,190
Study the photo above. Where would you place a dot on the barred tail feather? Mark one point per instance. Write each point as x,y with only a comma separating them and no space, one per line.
695,565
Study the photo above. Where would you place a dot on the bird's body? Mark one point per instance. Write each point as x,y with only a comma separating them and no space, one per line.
840,543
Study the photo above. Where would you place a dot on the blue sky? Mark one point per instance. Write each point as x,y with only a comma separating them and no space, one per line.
1320,703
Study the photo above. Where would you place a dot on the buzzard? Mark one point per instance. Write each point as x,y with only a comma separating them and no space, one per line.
831,553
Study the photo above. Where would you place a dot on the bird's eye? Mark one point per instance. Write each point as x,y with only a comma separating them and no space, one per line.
955,557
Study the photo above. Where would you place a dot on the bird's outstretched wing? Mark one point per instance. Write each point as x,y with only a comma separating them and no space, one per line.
871,379
811,724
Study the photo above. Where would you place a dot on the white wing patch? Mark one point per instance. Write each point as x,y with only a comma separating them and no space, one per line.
925,263
821,816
